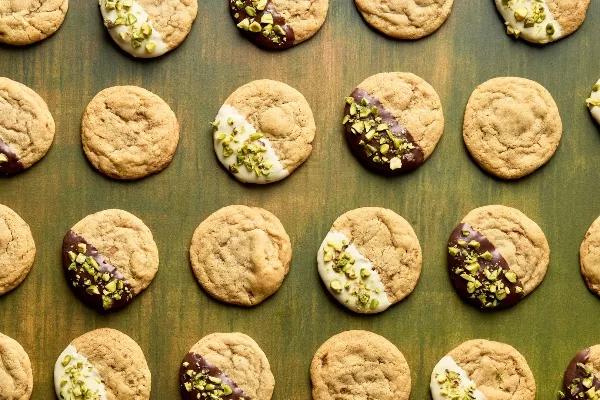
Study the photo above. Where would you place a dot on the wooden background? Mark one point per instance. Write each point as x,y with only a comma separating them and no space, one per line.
68,69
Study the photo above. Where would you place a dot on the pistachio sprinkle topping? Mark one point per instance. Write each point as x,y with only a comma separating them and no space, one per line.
530,19
259,20
75,378
450,382
199,379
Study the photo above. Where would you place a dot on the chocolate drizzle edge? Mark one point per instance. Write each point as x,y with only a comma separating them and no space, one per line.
575,375
200,376
113,290
13,165
268,37
474,245
368,148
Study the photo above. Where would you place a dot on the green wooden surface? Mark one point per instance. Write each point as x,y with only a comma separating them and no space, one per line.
68,69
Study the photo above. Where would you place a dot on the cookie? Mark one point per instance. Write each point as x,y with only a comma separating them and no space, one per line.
405,19
102,364
278,24
393,122
359,365
593,102
483,370
263,132
581,376
241,255
589,255
26,127
226,365
148,28
17,250
129,132
511,127
542,21
108,258
370,259
25,22
497,256
16,376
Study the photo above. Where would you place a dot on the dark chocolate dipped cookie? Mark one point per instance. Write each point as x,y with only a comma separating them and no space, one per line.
581,376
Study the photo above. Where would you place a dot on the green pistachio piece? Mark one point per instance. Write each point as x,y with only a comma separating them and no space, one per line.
244,24
395,163
474,244
374,304
521,13
365,273
336,286
279,30
150,47
3,158
453,251
111,287
511,276
80,259
81,248
266,19
487,256
66,360
255,27
550,30
251,11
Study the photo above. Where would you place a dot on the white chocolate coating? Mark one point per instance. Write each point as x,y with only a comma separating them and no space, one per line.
595,110
87,374
536,33
447,364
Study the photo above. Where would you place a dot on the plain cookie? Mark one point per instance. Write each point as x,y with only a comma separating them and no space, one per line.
278,24
370,259
263,132
103,364
148,28
239,365
25,22
129,133
17,250
26,127
393,122
109,258
359,365
241,255
16,376
589,255
581,376
511,127
405,19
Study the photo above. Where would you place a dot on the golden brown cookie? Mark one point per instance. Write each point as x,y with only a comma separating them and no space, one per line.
241,255
590,257
511,127
25,22
17,249
359,365
16,376
129,132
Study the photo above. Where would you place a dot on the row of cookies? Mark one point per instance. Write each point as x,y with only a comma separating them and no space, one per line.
106,363
265,129
144,28
369,260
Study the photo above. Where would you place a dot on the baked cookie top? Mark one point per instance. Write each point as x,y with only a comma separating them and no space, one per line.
241,255
26,127
512,126
148,28
359,365
25,22
129,133
103,364
241,369
264,131
16,375
108,258
370,259
589,254
405,19
17,249
581,376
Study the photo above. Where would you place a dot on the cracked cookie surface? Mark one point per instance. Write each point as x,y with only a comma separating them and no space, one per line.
305,17
511,126
240,357
25,22
16,375
241,255
129,133
120,362
590,257
519,239
499,371
359,365
405,19
17,249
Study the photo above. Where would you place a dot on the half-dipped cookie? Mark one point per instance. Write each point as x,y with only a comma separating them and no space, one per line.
228,366
278,24
263,132
102,364
581,379
593,102
109,258
393,122
496,256
370,259
148,28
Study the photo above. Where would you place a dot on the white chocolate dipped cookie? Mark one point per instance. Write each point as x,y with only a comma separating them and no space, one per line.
450,381
593,102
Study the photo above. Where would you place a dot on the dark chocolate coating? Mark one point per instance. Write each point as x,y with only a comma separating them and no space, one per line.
13,165
198,364
79,276
411,158
258,38
497,261
575,374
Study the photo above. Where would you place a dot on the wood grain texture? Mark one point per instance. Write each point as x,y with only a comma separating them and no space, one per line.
68,69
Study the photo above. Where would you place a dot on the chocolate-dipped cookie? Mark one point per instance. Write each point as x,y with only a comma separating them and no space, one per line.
581,376
199,379
393,122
